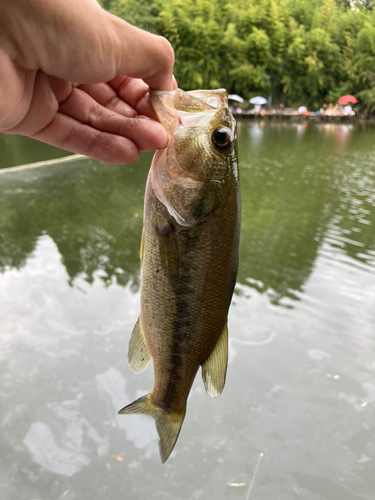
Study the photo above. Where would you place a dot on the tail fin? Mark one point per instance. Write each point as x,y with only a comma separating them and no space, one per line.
168,424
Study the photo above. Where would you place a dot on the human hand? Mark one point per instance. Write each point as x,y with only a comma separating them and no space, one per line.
77,77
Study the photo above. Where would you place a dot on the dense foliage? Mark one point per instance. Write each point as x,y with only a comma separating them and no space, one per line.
297,51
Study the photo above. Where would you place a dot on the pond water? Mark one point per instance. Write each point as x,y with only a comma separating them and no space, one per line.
296,419
19,150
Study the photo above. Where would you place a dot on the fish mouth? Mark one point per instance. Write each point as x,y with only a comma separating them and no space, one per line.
177,107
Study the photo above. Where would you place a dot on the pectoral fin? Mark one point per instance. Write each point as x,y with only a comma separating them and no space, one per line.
214,369
138,355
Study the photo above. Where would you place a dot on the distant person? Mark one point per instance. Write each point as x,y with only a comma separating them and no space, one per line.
280,109
77,77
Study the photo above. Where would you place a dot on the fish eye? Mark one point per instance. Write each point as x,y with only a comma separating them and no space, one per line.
221,138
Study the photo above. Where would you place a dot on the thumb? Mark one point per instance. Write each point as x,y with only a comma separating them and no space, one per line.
140,54
81,42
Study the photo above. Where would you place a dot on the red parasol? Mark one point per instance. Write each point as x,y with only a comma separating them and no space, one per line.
346,99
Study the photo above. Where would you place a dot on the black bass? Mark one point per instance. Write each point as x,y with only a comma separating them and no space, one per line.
189,256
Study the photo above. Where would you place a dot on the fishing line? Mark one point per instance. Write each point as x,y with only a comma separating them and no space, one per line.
253,478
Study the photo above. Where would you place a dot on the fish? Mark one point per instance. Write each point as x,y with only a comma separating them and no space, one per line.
189,256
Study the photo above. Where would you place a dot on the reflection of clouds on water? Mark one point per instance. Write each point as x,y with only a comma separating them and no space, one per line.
244,315
64,450
66,460
54,317
139,429
369,388
111,384
55,339
30,322
359,403
78,427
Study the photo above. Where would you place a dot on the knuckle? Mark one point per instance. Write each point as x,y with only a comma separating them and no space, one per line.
93,116
93,142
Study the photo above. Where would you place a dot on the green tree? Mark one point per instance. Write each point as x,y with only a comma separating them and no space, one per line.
299,51
141,13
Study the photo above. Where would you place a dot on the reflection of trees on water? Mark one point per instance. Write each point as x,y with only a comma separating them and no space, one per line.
93,213
295,194
19,150
285,198
291,191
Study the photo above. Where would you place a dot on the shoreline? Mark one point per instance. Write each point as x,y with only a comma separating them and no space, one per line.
308,117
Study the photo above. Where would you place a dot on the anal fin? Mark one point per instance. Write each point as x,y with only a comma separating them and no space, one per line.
214,369
138,355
